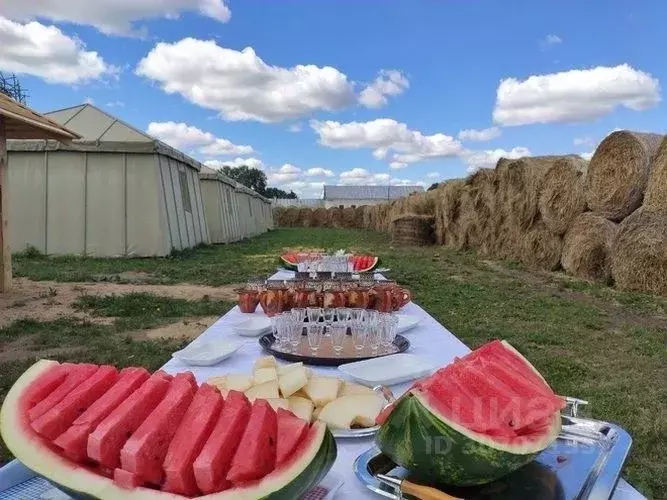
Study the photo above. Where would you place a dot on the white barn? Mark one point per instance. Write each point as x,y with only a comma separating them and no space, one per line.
355,196
117,192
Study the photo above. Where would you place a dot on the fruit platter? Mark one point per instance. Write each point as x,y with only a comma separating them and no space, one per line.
315,260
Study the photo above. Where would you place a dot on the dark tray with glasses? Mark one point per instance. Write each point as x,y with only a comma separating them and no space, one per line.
326,356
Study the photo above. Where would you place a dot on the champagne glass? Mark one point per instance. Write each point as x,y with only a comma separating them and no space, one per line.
314,337
314,314
338,338
359,337
295,336
328,317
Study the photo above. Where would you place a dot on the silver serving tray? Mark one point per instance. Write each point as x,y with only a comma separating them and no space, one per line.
584,463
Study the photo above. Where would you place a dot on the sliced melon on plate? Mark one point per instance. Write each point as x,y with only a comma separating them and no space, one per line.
267,390
350,388
283,369
351,411
321,390
292,381
262,375
265,362
301,407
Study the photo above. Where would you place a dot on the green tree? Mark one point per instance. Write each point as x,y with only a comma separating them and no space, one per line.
272,192
250,177
433,186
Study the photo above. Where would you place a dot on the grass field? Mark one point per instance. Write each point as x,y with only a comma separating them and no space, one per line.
589,341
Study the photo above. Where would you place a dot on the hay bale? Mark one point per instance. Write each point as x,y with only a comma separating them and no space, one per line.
304,217
447,213
587,247
618,173
348,217
335,217
563,197
412,230
639,253
359,217
655,198
540,248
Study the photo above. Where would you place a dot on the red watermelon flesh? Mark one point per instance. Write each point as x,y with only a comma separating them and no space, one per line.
76,374
74,440
291,430
127,480
256,456
106,441
144,452
192,433
212,464
45,385
56,421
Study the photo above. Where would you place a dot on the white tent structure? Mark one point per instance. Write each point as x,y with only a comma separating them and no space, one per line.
117,192
233,211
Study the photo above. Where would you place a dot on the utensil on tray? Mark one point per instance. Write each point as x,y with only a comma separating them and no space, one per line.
416,490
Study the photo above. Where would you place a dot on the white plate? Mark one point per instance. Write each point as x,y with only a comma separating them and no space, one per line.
208,353
388,370
253,327
406,322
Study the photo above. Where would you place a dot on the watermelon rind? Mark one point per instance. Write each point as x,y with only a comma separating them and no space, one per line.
440,451
288,482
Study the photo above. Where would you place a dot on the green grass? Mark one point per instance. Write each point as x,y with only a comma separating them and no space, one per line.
589,341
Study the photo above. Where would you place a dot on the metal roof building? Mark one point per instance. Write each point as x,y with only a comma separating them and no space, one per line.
347,196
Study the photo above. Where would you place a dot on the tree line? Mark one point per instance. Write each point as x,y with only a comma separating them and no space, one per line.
255,179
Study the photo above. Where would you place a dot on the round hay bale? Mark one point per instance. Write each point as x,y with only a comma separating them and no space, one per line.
563,197
412,230
639,253
540,248
655,198
618,173
304,217
384,217
507,242
587,247
447,212
348,215
359,217
335,217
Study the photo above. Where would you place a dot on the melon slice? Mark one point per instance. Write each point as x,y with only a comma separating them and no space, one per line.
353,410
292,381
192,433
263,375
56,421
301,407
349,388
74,440
211,466
46,384
322,390
238,382
277,403
283,369
291,430
105,442
265,362
145,451
267,390
76,375
256,456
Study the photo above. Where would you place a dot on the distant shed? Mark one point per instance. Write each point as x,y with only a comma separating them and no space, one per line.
117,192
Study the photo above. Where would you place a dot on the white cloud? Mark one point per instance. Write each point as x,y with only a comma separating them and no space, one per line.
574,96
488,159
48,53
480,135
304,189
552,40
115,104
397,165
433,175
111,16
236,162
240,85
285,174
388,83
583,141
383,135
295,127
362,177
587,156
184,136
319,172
89,100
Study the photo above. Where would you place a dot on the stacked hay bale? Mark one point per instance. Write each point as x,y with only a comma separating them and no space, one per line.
335,217
587,247
447,212
540,248
412,230
349,215
563,197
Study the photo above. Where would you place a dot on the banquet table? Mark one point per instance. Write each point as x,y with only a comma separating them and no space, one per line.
429,339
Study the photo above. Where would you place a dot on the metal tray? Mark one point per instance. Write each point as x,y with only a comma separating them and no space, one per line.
585,462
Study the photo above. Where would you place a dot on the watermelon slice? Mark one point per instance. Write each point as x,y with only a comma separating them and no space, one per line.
192,433
76,375
291,430
303,468
212,464
144,452
74,440
106,441
256,456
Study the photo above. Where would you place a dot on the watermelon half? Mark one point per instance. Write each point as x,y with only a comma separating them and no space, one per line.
142,455
474,421
362,263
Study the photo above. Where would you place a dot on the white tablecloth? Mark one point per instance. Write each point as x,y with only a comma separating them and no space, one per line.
429,339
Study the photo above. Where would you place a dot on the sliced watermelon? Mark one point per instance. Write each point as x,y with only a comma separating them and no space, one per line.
127,480
291,430
46,384
364,263
106,441
56,421
256,456
192,433
76,375
212,464
74,440
145,451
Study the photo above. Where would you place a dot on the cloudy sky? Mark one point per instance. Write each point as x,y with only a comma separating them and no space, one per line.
340,91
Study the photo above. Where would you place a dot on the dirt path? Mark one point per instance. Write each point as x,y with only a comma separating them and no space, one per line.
49,300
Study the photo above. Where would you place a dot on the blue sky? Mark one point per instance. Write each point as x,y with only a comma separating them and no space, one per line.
349,91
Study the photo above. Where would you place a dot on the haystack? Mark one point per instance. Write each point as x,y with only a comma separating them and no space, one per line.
447,212
563,197
304,217
656,190
540,248
412,230
335,217
359,217
587,247
639,253
348,217
618,173
319,217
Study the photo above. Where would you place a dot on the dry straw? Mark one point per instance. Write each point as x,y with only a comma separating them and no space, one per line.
587,247
540,248
563,197
656,191
639,253
618,173
447,212
412,230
